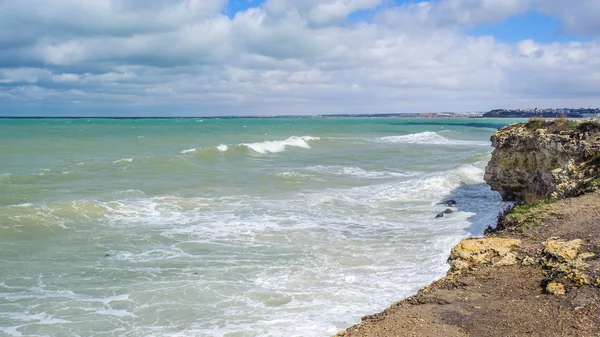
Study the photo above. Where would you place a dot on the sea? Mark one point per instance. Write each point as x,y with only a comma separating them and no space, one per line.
230,226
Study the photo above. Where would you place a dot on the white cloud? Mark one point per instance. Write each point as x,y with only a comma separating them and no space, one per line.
63,53
477,11
291,57
577,17
22,75
61,78
318,11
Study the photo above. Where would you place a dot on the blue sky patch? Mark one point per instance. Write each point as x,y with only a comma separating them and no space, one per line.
530,25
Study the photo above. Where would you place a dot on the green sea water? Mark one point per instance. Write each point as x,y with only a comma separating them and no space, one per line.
229,227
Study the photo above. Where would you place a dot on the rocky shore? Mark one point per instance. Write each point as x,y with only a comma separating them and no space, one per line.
537,273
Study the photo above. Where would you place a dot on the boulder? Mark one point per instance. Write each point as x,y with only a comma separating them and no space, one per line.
487,251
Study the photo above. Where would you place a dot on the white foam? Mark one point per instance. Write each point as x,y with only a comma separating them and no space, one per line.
41,319
308,261
428,137
188,151
354,172
280,145
23,205
11,330
124,160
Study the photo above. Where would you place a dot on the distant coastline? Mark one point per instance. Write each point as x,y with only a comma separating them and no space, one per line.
496,113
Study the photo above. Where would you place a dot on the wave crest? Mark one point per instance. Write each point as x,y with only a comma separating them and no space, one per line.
280,145
429,138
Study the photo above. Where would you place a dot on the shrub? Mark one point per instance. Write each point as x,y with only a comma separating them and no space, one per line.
535,123
589,127
562,124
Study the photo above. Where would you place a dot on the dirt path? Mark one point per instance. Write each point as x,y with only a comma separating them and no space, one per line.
509,300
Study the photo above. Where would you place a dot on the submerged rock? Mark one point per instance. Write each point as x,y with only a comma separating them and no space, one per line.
449,203
448,211
439,215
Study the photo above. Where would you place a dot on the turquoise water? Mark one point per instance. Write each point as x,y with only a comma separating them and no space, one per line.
229,227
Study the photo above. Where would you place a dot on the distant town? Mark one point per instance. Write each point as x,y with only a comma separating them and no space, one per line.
549,113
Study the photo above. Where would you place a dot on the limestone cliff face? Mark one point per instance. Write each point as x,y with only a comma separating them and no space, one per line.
544,159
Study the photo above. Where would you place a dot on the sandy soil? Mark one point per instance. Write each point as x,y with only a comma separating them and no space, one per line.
507,300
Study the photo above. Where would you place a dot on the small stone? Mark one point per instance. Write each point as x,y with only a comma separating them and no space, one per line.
458,265
507,260
556,288
439,215
528,261
448,211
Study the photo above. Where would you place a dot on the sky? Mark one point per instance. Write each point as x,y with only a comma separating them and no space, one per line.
282,57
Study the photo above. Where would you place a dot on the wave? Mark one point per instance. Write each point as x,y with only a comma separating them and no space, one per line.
280,145
264,238
265,147
123,161
188,151
428,138
354,172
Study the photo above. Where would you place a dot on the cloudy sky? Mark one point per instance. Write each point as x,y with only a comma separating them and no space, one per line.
277,57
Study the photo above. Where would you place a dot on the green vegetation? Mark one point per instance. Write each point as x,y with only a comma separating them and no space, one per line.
555,125
523,209
535,123
521,217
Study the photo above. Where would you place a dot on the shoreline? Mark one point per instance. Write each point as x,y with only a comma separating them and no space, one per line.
537,272
495,298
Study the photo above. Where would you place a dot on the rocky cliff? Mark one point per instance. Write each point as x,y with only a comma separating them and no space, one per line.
544,160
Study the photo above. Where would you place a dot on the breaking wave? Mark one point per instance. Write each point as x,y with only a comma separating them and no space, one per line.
429,138
280,145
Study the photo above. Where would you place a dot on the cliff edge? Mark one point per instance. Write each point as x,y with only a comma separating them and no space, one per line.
544,160
538,272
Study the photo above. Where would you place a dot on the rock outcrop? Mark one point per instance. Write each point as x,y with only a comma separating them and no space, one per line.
483,251
544,160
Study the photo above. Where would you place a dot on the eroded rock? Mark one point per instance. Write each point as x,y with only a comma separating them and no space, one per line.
556,288
566,263
488,251
539,160
563,250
